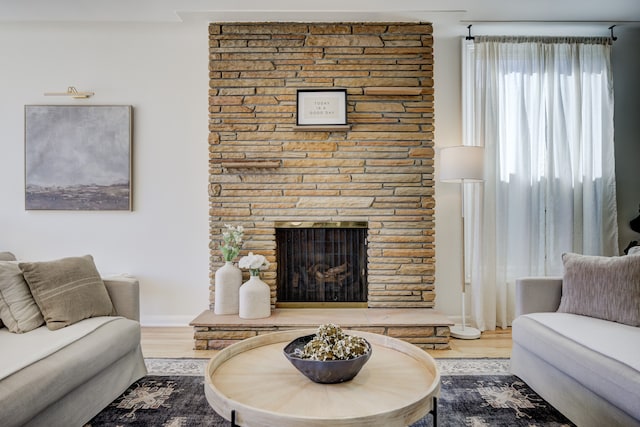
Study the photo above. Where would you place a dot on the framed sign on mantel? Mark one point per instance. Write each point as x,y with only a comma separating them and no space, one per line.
321,107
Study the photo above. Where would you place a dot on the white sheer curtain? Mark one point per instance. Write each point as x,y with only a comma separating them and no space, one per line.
543,110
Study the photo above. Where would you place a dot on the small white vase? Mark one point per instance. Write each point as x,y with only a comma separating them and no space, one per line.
228,279
255,299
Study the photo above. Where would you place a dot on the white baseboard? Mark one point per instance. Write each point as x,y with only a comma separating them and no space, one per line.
165,321
457,319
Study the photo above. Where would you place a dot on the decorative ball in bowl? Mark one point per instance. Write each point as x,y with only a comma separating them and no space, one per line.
329,356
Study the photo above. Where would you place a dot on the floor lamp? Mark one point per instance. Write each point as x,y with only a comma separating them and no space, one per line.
462,164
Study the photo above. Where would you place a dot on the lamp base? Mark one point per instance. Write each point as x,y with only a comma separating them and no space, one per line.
465,332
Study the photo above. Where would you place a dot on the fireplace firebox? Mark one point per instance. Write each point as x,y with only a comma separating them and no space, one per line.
321,264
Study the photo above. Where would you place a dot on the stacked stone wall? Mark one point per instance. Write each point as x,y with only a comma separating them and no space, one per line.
379,169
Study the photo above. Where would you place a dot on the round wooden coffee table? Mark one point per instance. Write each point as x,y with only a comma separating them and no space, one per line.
251,383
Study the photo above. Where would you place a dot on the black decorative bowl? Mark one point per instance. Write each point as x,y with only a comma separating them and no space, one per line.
325,371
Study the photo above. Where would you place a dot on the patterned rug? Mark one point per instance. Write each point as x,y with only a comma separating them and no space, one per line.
475,393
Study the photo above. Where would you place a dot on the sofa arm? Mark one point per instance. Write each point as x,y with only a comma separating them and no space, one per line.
538,294
125,296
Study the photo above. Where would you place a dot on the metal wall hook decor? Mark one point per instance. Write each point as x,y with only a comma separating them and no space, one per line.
72,92
469,37
614,38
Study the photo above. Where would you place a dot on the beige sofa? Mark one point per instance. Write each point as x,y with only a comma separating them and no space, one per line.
65,377
586,367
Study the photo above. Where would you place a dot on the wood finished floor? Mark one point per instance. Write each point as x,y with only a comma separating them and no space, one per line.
177,342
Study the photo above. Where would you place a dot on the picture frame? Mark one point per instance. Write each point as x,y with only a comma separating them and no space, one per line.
316,107
78,157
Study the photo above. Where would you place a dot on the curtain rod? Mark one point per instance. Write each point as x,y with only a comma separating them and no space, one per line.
539,21
470,37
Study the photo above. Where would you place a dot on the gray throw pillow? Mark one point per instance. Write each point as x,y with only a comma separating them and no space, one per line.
603,287
18,310
7,256
67,290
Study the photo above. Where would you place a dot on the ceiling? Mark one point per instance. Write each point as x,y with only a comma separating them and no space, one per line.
482,14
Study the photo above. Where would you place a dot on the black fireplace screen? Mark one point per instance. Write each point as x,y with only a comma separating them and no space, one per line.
320,265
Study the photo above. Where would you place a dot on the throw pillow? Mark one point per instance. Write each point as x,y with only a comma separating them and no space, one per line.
7,256
18,310
67,290
603,287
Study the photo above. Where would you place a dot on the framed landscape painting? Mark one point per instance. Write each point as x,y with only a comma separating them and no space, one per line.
78,157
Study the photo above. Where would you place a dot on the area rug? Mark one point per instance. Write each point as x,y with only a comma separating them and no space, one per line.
474,393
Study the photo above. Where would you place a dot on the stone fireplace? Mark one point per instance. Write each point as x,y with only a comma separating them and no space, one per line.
377,170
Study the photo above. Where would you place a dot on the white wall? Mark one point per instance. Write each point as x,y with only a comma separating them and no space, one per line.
448,132
161,70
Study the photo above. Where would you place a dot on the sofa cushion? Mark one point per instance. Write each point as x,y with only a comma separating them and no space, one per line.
18,310
599,354
603,287
47,382
67,290
23,350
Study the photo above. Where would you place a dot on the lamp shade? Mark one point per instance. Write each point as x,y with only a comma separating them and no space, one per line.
461,163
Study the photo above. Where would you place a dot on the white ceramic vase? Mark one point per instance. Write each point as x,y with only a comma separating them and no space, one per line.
255,299
228,279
